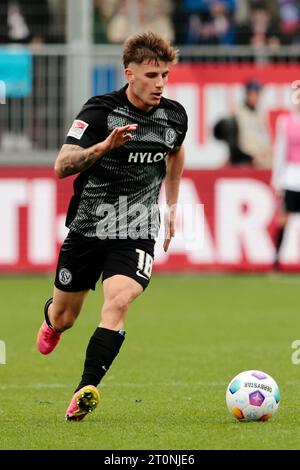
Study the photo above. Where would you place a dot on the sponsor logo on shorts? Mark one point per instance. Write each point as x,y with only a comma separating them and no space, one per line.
64,276
77,129
142,275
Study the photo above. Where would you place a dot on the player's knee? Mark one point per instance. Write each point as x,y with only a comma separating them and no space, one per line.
120,302
125,298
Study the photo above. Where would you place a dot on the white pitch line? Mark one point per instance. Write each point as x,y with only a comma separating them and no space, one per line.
283,280
112,384
37,386
34,386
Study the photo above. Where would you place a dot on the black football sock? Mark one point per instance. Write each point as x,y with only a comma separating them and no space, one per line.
278,241
102,349
47,304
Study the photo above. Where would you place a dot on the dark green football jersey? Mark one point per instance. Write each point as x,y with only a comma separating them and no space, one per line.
117,196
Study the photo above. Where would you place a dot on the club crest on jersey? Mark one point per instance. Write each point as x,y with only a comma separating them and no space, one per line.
170,136
77,129
64,276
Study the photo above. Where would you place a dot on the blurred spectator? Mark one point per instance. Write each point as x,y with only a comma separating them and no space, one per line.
21,22
58,9
119,23
204,22
289,13
243,9
103,10
246,132
24,21
262,29
131,16
258,23
286,170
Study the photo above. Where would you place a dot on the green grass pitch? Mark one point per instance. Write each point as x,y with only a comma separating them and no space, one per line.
187,336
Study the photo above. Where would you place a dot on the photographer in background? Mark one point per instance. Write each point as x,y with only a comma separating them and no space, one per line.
246,131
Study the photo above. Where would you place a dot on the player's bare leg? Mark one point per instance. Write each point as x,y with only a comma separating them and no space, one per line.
119,291
61,312
65,308
104,345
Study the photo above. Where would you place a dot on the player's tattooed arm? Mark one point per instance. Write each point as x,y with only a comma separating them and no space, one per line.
74,159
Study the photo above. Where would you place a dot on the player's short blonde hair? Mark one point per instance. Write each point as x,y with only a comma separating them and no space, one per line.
148,47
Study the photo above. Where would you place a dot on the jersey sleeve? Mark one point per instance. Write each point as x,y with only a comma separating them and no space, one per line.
181,133
88,128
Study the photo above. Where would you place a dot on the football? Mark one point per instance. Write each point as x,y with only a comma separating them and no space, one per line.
252,396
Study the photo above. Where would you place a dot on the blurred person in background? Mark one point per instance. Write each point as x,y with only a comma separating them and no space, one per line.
246,131
243,9
22,22
58,26
286,172
289,20
130,16
260,28
100,19
204,22
272,21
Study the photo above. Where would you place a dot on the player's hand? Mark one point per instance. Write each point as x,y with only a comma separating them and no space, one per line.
119,137
170,217
278,192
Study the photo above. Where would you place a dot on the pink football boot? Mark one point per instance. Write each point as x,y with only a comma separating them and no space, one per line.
84,401
47,338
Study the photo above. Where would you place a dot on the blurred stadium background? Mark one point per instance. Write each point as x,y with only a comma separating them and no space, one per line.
55,54
68,51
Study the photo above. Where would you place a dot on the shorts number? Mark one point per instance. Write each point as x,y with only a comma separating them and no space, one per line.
145,262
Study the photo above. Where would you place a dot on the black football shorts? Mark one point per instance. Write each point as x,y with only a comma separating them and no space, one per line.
82,260
291,201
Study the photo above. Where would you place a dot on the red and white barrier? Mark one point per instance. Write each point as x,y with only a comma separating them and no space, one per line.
234,234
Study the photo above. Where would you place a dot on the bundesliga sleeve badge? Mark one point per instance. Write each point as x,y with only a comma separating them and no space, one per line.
77,129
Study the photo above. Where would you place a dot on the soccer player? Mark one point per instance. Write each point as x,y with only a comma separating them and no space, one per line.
123,145
286,172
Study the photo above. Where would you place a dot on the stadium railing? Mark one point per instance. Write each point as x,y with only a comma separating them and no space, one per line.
46,87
